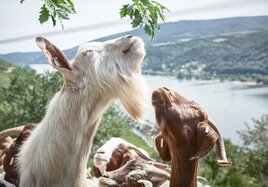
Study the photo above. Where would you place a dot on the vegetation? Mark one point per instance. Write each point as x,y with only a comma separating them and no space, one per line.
26,97
6,72
3,73
250,164
256,148
142,13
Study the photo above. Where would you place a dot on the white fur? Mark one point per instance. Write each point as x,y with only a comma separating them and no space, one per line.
57,152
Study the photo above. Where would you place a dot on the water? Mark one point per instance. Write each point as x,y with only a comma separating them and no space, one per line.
229,104
42,68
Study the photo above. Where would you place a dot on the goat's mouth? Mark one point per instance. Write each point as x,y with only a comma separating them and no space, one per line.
135,42
127,49
161,98
100,159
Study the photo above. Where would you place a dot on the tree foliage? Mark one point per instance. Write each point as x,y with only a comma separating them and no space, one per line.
26,97
250,163
142,13
232,176
112,125
256,148
56,9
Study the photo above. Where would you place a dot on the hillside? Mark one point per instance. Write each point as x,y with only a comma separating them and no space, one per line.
237,56
231,47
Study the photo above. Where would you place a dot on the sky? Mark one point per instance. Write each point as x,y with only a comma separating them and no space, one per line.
18,20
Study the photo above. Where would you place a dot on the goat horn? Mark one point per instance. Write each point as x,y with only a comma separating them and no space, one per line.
199,178
4,151
15,131
139,152
157,172
220,148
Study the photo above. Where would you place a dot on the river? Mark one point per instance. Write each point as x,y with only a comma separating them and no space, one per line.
230,104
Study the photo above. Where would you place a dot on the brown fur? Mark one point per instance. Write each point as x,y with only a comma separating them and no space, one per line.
182,136
10,167
5,143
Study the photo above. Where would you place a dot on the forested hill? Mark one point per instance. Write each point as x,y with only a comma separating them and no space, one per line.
236,56
231,47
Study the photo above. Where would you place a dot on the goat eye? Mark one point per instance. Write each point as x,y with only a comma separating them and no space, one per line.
87,52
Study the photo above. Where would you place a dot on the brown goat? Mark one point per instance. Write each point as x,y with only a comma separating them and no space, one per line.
5,143
6,140
133,173
120,156
10,167
115,153
184,135
113,156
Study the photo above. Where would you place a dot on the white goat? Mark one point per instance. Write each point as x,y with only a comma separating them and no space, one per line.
57,152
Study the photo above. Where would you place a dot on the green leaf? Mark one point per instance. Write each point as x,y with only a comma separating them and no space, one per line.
148,30
152,12
60,1
56,10
123,11
66,8
144,13
130,10
71,4
53,20
161,15
44,14
145,2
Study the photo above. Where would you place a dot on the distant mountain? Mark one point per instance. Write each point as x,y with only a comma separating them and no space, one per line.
229,48
169,32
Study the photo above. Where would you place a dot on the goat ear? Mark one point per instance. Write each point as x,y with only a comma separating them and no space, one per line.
54,55
127,157
162,148
206,139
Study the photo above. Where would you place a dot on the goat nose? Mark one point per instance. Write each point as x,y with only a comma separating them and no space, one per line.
106,175
100,151
129,36
166,88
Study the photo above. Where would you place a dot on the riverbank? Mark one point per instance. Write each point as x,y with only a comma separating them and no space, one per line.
251,82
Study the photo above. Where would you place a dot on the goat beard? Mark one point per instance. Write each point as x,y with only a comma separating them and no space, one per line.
125,82
131,95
